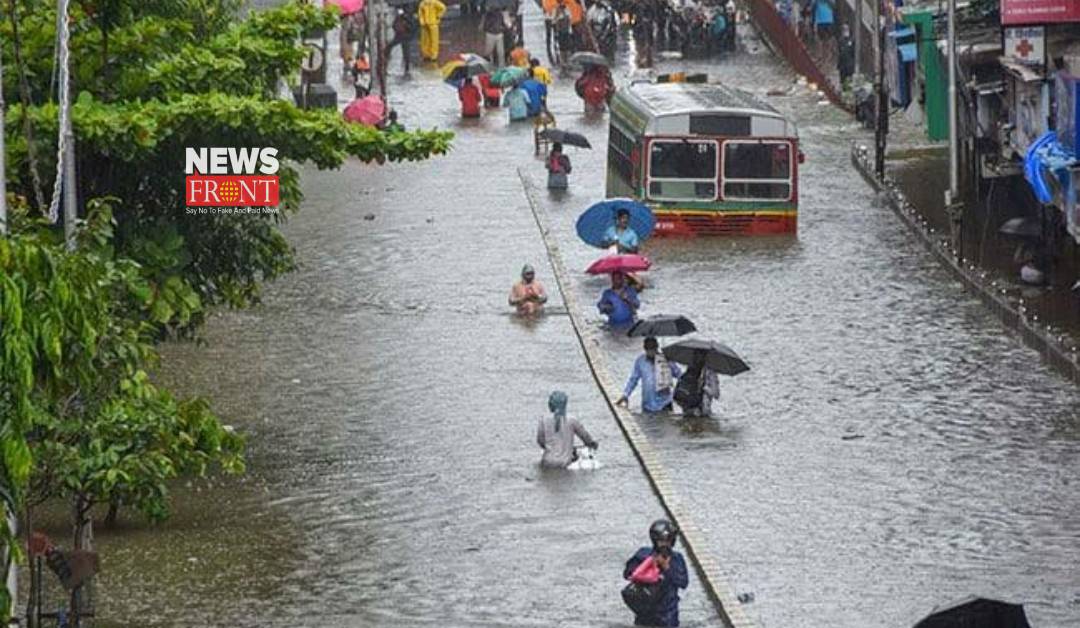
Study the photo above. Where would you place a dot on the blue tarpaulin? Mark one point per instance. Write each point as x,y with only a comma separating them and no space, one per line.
908,52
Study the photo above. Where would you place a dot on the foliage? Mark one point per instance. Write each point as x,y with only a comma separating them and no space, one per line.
76,349
79,417
169,82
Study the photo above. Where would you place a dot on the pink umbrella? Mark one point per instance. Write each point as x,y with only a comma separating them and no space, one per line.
369,111
618,264
347,6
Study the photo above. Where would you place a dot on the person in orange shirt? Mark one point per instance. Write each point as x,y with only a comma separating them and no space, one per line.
528,295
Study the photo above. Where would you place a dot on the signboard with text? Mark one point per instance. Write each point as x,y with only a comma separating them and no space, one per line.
1039,11
1026,45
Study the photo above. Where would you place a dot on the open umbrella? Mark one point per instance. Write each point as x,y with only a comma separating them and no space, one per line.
976,612
619,264
459,69
589,58
718,357
508,76
1024,227
662,326
348,6
593,223
369,110
565,137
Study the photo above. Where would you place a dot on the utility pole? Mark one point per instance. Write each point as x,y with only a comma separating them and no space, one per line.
951,197
3,179
858,38
71,212
881,91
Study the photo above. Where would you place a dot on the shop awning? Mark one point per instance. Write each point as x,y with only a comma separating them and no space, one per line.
1025,73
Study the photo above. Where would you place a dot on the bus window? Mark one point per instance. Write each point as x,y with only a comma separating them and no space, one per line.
757,171
682,170
620,147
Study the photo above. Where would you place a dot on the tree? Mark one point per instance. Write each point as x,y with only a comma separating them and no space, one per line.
77,400
157,77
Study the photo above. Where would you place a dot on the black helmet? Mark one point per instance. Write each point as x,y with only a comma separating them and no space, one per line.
663,530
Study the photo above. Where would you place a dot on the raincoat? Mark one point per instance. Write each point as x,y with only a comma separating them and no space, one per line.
537,95
430,13
542,74
675,578
517,103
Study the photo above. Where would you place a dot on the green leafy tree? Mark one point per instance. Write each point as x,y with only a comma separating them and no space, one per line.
157,77
77,400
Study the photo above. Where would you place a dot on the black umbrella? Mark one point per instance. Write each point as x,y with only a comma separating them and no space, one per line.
662,326
565,137
976,612
589,58
1023,227
718,357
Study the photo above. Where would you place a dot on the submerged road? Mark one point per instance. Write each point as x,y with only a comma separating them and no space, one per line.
891,449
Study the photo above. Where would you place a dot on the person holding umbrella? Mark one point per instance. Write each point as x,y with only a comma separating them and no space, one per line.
697,388
620,302
558,166
657,377
621,235
469,95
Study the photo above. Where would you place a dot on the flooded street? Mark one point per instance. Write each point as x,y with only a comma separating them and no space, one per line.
892,449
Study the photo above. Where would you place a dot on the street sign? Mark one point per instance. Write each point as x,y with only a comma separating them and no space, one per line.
1039,11
1026,45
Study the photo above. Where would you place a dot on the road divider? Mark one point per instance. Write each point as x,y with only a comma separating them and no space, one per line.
708,570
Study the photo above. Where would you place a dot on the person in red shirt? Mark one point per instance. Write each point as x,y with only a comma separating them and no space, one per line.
595,87
469,95
492,93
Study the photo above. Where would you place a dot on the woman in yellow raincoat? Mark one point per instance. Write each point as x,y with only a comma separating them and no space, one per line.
430,13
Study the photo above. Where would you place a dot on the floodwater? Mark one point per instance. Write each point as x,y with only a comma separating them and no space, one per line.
891,449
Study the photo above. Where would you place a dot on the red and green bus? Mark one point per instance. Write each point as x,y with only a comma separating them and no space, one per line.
708,159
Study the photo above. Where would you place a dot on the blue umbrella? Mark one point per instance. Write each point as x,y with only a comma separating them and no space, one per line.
595,221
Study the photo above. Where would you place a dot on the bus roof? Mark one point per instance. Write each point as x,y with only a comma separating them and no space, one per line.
647,103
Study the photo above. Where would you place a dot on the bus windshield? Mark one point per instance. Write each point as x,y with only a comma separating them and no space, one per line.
757,170
682,169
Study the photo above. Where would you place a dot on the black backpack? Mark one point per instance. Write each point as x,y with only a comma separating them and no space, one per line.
643,599
688,390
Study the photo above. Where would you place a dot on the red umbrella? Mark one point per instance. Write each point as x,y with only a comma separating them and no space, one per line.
369,110
348,6
619,264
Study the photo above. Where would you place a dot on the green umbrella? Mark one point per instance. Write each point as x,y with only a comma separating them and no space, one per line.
507,76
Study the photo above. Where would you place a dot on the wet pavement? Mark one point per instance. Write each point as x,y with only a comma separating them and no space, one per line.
891,449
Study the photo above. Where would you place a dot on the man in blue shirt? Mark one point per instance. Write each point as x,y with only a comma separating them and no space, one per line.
619,302
673,574
537,95
621,235
657,386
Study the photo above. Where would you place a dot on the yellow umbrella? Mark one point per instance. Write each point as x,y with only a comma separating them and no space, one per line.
449,68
